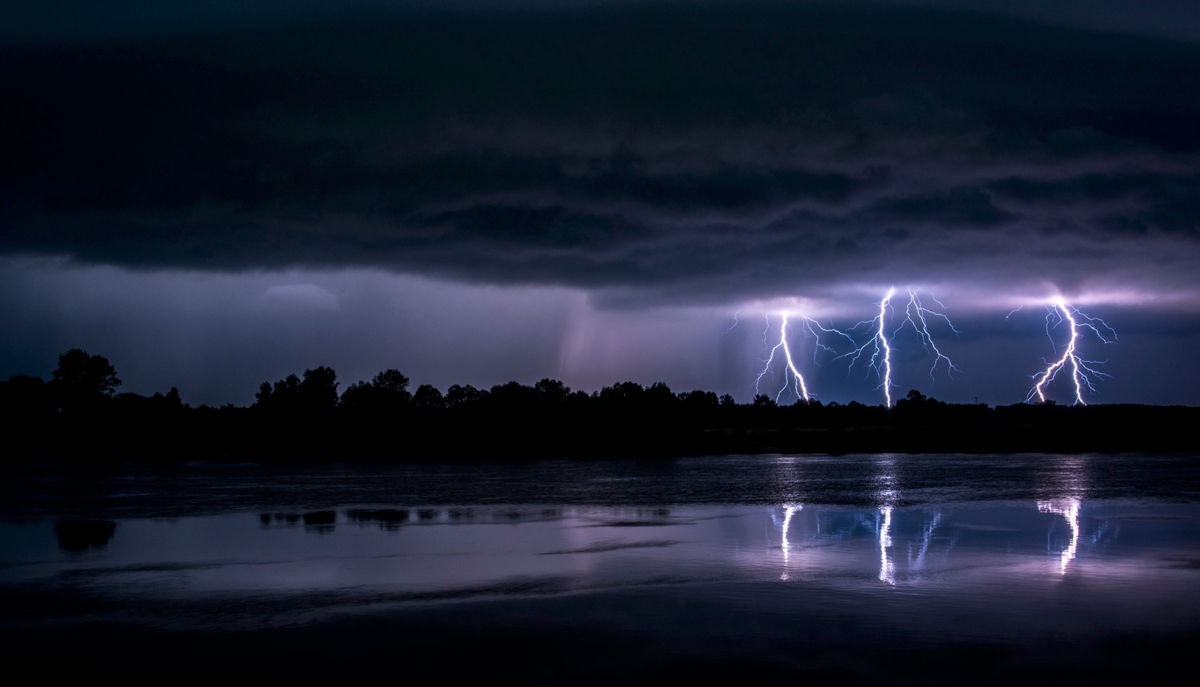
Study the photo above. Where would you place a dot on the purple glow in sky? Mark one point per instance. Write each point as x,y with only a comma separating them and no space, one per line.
216,336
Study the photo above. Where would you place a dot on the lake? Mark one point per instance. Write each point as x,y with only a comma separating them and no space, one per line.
854,569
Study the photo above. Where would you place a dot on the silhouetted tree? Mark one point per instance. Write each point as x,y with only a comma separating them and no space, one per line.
285,395
263,398
392,385
24,382
623,394
83,379
23,395
546,419
551,391
699,399
318,390
659,396
512,398
171,399
764,401
428,397
463,396
578,402
388,391
158,405
359,396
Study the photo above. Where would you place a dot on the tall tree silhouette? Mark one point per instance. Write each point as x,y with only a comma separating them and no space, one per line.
83,379
428,398
318,390
387,391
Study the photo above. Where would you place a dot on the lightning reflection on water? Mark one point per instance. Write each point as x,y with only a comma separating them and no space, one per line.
926,540
887,569
1069,509
785,545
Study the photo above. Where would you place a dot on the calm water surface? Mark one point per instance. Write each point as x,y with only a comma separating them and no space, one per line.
915,567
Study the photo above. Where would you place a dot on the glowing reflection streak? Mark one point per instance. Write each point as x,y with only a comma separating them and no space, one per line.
787,521
887,569
926,539
1056,314
886,498
1069,509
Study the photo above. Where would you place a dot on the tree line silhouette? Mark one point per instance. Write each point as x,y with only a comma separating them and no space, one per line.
78,415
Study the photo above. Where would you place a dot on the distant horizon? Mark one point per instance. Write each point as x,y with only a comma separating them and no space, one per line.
341,386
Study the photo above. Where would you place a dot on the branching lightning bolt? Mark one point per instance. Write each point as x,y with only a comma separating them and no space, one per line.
815,329
877,349
796,381
915,312
735,322
881,351
1056,314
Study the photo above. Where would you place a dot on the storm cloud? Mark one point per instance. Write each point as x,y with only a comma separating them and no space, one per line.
648,153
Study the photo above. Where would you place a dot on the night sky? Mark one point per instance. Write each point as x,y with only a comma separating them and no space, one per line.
214,194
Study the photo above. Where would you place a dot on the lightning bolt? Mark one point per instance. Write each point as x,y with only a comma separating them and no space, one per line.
811,328
1057,313
797,380
735,322
881,351
915,312
877,349
815,329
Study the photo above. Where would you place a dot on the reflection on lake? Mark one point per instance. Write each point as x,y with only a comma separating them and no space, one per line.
1000,560
382,555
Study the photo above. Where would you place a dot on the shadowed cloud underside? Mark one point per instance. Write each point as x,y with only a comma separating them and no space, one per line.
647,153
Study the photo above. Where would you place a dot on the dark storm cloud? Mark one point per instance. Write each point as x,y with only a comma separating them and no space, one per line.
650,152
1161,202
59,19
963,207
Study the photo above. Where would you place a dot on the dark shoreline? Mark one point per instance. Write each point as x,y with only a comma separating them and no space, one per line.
115,434
79,417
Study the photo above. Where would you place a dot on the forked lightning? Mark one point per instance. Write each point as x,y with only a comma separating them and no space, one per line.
1057,313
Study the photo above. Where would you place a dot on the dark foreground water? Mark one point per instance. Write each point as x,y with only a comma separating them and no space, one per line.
850,569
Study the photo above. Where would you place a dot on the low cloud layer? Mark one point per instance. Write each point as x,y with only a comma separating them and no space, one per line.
218,336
